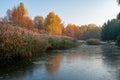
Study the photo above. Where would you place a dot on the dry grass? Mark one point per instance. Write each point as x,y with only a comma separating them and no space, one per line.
18,42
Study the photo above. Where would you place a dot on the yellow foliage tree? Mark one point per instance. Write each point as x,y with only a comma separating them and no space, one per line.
52,24
20,18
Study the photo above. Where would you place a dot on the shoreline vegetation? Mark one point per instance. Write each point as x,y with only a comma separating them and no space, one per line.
93,42
20,36
16,42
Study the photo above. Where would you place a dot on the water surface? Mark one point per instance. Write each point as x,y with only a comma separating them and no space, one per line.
82,63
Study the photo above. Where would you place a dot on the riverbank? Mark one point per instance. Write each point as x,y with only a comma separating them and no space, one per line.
92,62
16,42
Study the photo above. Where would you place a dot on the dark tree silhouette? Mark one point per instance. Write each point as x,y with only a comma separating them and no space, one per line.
118,1
111,30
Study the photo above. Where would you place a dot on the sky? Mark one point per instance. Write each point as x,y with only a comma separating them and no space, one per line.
78,12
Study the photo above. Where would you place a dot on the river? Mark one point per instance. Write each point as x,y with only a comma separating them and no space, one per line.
85,62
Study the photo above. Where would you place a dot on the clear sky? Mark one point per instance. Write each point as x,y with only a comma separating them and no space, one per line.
78,12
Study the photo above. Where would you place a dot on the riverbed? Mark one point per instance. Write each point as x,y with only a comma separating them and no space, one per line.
85,62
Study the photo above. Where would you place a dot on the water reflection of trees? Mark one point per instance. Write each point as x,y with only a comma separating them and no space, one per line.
20,69
53,63
111,55
112,59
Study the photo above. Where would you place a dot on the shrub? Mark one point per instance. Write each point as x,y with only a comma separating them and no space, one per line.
36,44
19,42
59,43
93,42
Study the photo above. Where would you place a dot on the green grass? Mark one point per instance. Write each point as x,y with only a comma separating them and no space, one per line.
61,43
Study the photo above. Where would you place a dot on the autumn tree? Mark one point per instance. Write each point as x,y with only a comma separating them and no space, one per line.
92,32
19,17
27,23
83,32
79,32
74,31
39,23
52,24
18,14
70,30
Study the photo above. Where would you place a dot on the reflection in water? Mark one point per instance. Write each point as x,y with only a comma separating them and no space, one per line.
81,63
53,63
112,59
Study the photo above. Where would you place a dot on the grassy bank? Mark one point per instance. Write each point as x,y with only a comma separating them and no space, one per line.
61,43
16,42
93,42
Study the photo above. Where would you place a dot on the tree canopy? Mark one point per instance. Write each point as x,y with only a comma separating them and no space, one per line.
83,32
53,24
39,23
18,16
111,30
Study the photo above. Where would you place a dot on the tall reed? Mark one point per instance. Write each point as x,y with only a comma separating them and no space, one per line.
16,41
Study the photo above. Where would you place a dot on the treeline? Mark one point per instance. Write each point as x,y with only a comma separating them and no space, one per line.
52,24
18,16
111,30
83,32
